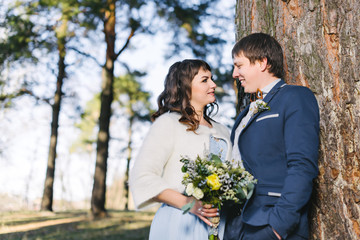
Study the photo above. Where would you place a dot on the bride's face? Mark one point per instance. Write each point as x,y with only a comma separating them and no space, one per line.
202,90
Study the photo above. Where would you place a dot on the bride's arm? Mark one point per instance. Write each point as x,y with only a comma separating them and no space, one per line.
178,200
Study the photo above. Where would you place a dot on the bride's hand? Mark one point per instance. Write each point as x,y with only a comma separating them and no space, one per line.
204,211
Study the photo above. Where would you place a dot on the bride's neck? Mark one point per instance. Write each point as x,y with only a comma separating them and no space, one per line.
199,115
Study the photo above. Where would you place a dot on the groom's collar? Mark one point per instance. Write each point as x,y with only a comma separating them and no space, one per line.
278,85
270,86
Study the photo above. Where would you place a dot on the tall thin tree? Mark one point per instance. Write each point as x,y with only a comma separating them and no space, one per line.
48,195
99,188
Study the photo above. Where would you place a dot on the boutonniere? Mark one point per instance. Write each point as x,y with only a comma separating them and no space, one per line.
260,106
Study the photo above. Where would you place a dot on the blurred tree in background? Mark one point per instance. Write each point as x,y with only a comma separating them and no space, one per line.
132,102
25,38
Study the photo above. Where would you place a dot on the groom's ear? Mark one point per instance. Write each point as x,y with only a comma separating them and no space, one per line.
264,64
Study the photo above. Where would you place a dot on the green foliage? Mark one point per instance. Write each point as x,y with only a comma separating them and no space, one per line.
31,31
185,21
216,159
128,92
21,39
89,120
30,26
130,95
184,15
26,33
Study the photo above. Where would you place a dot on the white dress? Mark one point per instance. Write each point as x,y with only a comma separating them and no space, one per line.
171,223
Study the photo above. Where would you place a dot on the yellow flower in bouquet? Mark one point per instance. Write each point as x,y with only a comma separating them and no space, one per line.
213,181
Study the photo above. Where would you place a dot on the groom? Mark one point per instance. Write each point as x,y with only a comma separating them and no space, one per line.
277,139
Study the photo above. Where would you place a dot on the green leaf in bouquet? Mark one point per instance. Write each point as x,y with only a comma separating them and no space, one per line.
250,189
240,193
183,169
237,171
245,190
187,207
216,159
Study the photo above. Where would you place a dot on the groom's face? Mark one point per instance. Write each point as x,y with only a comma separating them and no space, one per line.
248,74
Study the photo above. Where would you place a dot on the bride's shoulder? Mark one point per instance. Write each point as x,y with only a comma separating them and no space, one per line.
168,117
221,128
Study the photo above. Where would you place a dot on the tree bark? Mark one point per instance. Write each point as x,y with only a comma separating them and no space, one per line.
47,199
321,44
99,188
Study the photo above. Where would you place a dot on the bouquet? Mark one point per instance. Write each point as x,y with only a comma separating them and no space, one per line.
215,182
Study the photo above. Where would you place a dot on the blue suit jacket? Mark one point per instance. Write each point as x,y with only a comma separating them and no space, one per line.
280,148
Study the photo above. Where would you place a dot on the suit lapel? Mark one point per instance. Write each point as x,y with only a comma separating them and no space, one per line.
267,99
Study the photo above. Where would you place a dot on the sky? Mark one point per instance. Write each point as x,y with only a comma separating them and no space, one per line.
25,128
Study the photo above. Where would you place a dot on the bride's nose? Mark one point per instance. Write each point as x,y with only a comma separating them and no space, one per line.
213,84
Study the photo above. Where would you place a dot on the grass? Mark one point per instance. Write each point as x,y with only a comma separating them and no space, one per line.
74,225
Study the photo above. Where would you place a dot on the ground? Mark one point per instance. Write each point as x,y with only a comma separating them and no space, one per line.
77,225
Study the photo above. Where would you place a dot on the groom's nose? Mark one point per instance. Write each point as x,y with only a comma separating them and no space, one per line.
235,73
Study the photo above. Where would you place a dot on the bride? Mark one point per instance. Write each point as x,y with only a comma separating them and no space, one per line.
181,127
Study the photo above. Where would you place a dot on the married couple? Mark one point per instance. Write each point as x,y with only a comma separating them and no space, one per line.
278,146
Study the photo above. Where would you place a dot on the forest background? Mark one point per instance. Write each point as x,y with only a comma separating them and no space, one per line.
321,44
60,47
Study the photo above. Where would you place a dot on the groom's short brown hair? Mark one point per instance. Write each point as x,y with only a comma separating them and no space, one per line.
258,46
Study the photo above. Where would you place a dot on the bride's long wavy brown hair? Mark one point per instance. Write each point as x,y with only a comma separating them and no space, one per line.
177,93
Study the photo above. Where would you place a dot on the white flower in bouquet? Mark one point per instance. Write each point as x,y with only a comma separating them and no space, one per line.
189,189
198,194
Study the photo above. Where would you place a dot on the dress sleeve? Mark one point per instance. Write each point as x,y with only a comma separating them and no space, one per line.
145,179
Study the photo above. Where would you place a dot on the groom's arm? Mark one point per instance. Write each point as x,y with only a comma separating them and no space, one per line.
301,136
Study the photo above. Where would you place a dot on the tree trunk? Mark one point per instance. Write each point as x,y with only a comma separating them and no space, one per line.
47,199
99,188
321,44
129,150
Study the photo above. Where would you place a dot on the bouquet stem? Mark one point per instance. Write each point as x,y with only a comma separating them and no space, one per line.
214,232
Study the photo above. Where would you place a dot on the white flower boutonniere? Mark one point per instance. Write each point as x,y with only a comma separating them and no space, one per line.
260,106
